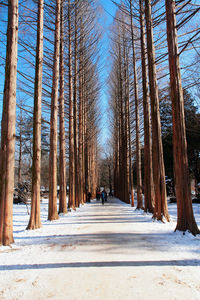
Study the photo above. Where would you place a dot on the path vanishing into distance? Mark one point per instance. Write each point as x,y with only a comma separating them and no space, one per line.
99,252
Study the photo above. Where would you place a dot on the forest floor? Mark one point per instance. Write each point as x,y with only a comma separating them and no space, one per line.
100,252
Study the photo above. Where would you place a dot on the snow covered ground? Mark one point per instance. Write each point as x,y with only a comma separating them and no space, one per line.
100,252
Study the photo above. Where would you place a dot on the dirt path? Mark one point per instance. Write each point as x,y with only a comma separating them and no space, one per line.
99,252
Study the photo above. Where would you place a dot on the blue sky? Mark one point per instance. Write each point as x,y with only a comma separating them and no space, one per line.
108,11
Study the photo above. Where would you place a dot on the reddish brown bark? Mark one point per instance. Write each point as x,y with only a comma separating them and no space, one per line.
80,131
35,221
148,171
124,196
20,149
80,144
62,158
126,123
52,213
121,189
71,117
137,120
7,154
129,150
84,132
77,199
185,220
161,209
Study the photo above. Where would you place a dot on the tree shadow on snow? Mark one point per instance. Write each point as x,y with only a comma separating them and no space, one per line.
111,241
102,264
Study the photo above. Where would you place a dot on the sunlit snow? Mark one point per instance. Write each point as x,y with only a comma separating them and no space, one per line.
100,252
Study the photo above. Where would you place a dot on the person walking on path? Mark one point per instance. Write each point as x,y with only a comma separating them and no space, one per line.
103,197
89,197
98,194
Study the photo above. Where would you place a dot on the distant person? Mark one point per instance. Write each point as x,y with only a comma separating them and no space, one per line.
110,193
98,194
89,197
103,197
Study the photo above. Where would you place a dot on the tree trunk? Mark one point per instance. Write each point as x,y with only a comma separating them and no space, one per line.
126,125
122,154
148,171
71,118
77,202
161,209
80,131
53,214
129,143
185,220
7,154
137,120
35,221
84,132
129,146
80,141
62,161
116,151
20,149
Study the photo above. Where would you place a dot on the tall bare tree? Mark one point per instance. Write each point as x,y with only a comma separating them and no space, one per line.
185,220
35,221
75,97
137,118
62,158
161,209
71,116
120,100
20,124
7,152
148,171
129,149
52,213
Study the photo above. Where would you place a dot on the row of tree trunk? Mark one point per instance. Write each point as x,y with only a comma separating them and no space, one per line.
122,144
72,42
155,200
